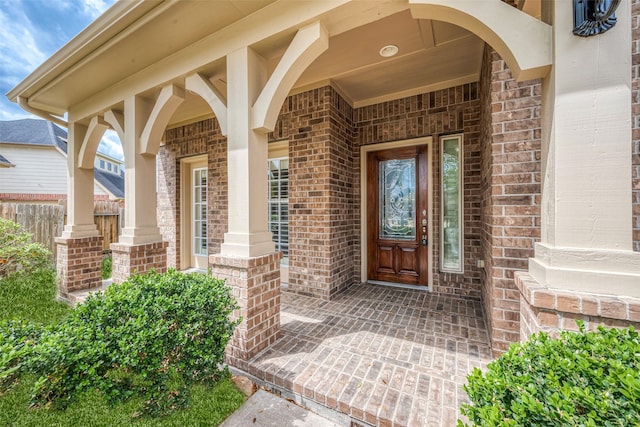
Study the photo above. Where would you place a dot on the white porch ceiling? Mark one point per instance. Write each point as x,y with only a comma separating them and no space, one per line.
432,55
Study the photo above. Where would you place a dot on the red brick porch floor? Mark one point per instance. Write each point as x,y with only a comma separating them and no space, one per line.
384,356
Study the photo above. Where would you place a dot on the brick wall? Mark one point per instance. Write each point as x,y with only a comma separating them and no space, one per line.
544,309
453,110
486,181
635,122
78,264
510,182
255,284
318,126
187,141
168,203
341,185
140,259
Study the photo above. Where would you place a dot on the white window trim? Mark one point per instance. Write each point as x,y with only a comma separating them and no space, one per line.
460,138
279,150
186,240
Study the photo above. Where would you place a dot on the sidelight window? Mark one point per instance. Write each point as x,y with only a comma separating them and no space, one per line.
451,232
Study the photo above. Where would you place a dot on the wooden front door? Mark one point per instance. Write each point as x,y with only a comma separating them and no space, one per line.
397,237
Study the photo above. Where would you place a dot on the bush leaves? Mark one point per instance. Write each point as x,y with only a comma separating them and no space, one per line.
579,379
152,336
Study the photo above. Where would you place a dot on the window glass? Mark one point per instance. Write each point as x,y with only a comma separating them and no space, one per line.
451,204
398,199
200,245
279,203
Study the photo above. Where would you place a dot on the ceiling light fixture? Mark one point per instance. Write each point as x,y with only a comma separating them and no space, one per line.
389,51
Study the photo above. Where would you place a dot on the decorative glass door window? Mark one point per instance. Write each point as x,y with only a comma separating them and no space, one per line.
279,203
451,248
398,199
200,212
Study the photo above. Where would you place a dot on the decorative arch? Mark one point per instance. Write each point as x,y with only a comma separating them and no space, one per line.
170,97
200,85
521,40
308,43
97,127
116,120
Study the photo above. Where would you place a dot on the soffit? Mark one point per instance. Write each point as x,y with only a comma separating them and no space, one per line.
432,55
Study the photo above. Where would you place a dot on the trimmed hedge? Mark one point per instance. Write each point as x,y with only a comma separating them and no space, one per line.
579,379
152,335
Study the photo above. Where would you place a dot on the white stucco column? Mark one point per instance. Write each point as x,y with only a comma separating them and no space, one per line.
248,235
140,222
586,241
79,189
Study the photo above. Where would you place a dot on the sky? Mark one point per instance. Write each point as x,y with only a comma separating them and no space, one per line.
30,32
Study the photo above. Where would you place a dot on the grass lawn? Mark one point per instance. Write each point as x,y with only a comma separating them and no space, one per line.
33,299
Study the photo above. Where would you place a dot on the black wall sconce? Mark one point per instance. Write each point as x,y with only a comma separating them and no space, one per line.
591,17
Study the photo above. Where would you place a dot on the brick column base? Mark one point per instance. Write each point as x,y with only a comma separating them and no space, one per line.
545,309
78,263
255,283
140,259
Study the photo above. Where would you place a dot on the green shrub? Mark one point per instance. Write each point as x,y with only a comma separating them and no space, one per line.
17,343
107,267
580,379
18,252
152,336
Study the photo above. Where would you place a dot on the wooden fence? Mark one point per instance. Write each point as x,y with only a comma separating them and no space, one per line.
46,221
107,217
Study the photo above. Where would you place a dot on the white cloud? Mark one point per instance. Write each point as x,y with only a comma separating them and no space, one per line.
16,114
111,146
19,49
94,8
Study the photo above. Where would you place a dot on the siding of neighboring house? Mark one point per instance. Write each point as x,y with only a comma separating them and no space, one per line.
635,122
40,173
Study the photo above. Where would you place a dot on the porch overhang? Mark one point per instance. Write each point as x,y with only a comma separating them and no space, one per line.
139,47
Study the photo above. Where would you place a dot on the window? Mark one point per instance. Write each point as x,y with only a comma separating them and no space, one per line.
116,169
200,245
109,166
279,203
451,233
102,164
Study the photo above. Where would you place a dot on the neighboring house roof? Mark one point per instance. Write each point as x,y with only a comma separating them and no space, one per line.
43,133
4,162
33,132
113,183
